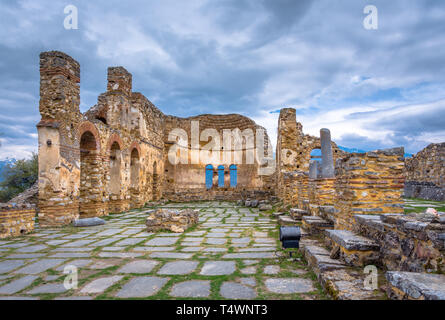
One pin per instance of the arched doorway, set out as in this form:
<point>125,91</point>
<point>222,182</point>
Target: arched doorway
<point>233,175</point>
<point>209,176</point>
<point>134,178</point>
<point>221,176</point>
<point>115,171</point>
<point>89,179</point>
<point>155,182</point>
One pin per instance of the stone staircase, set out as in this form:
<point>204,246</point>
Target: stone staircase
<point>316,225</point>
<point>339,260</point>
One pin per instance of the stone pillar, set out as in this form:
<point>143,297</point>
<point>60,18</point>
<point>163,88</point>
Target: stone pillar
<point>313,169</point>
<point>58,156</point>
<point>327,164</point>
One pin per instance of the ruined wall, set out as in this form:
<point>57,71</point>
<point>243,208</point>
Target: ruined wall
<point>293,154</point>
<point>99,162</point>
<point>406,244</point>
<point>115,156</point>
<point>185,177</point>
<point>368,183</point>
<point>425,173</point>
<point>16,220</point>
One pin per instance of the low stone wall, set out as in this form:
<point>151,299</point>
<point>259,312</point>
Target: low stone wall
<point>221,194</point>
<point>424,190</point>
<point>16,220</point>
<point>406,243</point>
<point>425,173</point>
<point>173,220</point>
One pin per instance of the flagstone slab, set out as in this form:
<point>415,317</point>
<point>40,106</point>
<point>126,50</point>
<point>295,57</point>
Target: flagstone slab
<point>84,249</point>
<point>48,288</point>
<point>217,241</point>
<point>100,285</point>
<point>191,289</point>
<point>139,266</point>
<point>70,255</point>
<point>241,240</point>
<point>34,248</point>
<point>233,290</point>
<point>40,266</point>
<point>78,243</point>
<point>153,249</point>
<point>178,267</point>
<point>289,285</point>
<point>272,269</point>
<point>248,270</point>
<point>141,287</point>
<point>9,265</point>
<point>76,263</point>
<point>128,242</point>
<point>192,249</point>
<point>214,268</point>
<point>171,255</point>
<point>250,255</point>
<point>159,241</point>
<point>251,282</point>
<point>119,254</point>
<point>17,285</point>
<point>25,255</point>
<point>103,242</point>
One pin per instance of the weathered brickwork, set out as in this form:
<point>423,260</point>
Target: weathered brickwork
<point>293,154</point>
<point>185,180</point>
<point>108,159</point>
<point>115,156</point>
<point>406,244</point>
<point>425,173</point>
<point>16,220</point>
<point>368,183</point>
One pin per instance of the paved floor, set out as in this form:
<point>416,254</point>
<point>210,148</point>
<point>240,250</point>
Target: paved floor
<point>231,254</point>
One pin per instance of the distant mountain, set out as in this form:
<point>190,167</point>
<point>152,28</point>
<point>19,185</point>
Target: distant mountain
<point>3,164</point>
<point>351,150</point>
<point>355,150</point>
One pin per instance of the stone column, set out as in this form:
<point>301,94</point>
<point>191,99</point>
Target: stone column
<point>327,164</point>
<point>313,169</point>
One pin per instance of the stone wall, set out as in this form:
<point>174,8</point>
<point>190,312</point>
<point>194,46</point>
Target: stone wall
<point>16,220</point>
<point>115,156</point>
<point>406,244</point>
<point>108,159</point>
<point>186,178</point>
<point>368,183</point>
<point>425,173</point>
<point>293,154</point>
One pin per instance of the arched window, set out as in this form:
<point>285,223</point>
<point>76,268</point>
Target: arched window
<point>233,176</point>
<point>221,176</point>
<point>209,176</point>
<point>316,155</point>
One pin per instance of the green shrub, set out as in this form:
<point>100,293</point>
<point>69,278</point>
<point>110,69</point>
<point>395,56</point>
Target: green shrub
<point>18,177</point>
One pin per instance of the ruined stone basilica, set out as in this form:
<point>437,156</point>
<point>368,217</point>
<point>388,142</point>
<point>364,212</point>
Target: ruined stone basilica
<point>124,153</point>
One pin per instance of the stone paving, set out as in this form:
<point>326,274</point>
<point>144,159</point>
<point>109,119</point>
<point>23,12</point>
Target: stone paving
<point>232,253</point>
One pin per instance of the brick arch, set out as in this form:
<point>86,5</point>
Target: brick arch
<point>136,145</point>
<point>87,126</point>
<point>114,138</point>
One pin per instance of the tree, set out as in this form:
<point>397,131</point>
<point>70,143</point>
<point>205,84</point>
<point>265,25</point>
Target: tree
<point>18,177</point>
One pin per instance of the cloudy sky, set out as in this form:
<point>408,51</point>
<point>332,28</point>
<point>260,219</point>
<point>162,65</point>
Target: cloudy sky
<point>373,88</point>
